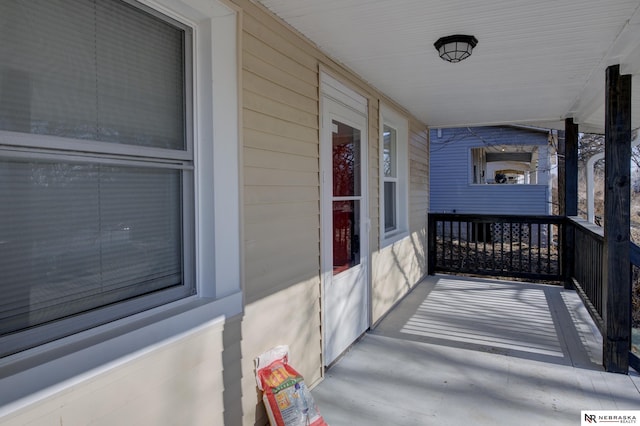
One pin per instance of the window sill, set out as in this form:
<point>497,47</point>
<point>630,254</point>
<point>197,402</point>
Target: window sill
<point>34,374</point>
<point>393,237</point>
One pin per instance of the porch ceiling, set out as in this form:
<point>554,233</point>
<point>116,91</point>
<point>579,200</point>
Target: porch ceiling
<point>537,62</point>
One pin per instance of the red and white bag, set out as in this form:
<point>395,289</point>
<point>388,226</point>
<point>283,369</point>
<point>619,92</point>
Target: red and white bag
<point>286,397</point>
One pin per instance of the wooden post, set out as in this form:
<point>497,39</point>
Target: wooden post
<point>571,167</point>
<point>616,268</point>
<point>562,175</point>
<point>570,193</point>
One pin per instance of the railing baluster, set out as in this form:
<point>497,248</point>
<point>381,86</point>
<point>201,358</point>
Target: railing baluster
<point>493,246</point>
<point>548,226</point>
<point>466,239</point>
<point>460,259</point>
<point>450,263</point>
<point>510,245</point>
<point>538,249</point>
<point>502,246</point>
<point>474,225</point>
<point>529,248</point>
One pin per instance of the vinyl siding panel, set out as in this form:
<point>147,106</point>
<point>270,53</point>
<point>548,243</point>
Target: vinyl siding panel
<point>208,377</point>
<point>451,174</point>
<point>181,382</point>
<point>278,160</point>
<point>281,203</point>
<point>278,143</point>
<point>282,200</point>
<point>260,85</point>
<point>418,177</point>
<point>279,109</point>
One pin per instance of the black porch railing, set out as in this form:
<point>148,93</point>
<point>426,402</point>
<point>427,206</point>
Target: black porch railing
<point>587,276</point>
<point>530,247</point>
<point>496,245</point>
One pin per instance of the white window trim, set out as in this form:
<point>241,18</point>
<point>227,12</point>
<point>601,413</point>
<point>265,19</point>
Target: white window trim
<point>40,372</point>
<point>391,118</point>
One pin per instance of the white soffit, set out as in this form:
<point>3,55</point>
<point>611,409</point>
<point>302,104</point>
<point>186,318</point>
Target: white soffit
<point>536,61</point>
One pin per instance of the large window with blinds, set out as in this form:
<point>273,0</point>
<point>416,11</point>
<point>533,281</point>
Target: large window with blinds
<point>96,165</point>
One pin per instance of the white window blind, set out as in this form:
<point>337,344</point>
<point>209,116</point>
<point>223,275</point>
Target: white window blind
<point>99,70</point>
<point>86,230</point>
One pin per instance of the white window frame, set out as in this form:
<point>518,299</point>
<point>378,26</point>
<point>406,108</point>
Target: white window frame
<point>68,150</point>
<point>391,118</point>
<point>471,160</point>
<point>37,373</point>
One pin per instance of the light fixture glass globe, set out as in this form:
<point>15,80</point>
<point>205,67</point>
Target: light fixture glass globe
<point>455,48</point>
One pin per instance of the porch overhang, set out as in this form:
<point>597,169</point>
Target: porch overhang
<point>536,63</point>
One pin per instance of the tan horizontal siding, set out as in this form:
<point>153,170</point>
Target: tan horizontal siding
<point>275,194</point>
<point>278,143</point>
<point>263,123</point>
<point>272,73</point>
<point>257,84</point>
<point>277,109</point>
<point>272,177</point>
<point>281,201</point>
<point>135,391</point>
<point>254,157</point>
<point>260,25</point>
<point>266,264</point>
<point>282,61</point>
<point>418,179</point>
<point>281,235</point>
<point>265,214</point>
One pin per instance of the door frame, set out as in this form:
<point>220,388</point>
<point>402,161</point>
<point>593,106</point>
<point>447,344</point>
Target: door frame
<point>333,90</point>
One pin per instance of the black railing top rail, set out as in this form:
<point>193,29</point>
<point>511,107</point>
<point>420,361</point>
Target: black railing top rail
<point>596,231</point>
<point>497,218</point>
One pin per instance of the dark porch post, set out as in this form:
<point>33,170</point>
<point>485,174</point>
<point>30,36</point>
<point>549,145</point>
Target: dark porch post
<point>569,203</point>
<point>616,268</point>
<point>571,167</point>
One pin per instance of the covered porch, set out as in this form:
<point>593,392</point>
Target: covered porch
<point>459,349</point>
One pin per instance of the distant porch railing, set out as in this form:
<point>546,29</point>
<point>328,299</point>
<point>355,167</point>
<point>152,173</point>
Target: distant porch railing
<point>496,245</point>
<point>550,248</point>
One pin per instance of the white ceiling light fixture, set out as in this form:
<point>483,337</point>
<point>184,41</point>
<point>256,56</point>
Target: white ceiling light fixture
<point>455,48</point>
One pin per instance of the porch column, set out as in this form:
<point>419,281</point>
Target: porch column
<point>616,268</point>
<point>568,193</point>
<point>562,175</point>
<point>571,167</point>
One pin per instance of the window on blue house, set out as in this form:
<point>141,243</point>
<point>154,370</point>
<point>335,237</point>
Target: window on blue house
<point>504,164</point>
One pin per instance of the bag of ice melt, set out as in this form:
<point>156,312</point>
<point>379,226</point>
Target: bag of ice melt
<point>286,397</point>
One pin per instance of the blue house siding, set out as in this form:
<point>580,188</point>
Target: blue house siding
<point>451,186</point>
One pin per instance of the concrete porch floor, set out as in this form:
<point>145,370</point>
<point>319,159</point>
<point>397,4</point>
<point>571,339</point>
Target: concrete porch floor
<point>460,350</point>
